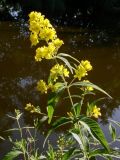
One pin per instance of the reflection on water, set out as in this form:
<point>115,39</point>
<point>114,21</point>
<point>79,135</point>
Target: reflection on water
<point>19,72</point>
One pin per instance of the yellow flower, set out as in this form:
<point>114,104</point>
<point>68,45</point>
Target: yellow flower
<point>58,70</point>
<point>35,16</point>
<point>96,112</point>
<point>47,34</point>
<point>50,34</point>
<point>34,27</point>
<point>36,21</point>
<point>82,69</point>
<point>32,109</point>
<point>89,88</point>
<point>57,42</point>
<point>86,64</point>
<point>41,29</point>
<point>46,52</point>
<point>80,72</point>
<point>34,39</point>
<point>41,26</point>
<point>65,72</point>
<point>51,47</point>
<point>41,52</point>
<point>46,23</point>
<point>51,51</point>
<point>55,71</point>
<point>42,86</point>
<point>29,107</point>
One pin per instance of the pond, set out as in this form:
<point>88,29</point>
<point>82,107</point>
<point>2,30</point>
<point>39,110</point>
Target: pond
<point>19,72</point>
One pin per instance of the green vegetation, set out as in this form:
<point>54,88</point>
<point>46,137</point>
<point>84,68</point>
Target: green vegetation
<point>84,140</point>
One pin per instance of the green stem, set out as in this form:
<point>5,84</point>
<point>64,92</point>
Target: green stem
<point>68,91</point>
<point>33,138</point>
<point>72,81</point>
<point>20,129</point>
<point>82,99</point>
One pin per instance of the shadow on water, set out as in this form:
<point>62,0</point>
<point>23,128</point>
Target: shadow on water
<point>19,72</point>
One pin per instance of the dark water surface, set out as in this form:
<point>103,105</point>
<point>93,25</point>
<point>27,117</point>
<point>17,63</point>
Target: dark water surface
<point>19,72</point>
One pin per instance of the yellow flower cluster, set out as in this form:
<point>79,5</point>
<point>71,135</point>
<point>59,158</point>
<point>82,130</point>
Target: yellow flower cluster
<point>86,64</point>
<point>42,86</point>
<point>41,29</point>
<point>82,69</point>
<point>29,107</point>
<point>58,70</point>
<point>96,112</point>
<point>34,39</point>
<point>48,52</point>
<point>32,109</point>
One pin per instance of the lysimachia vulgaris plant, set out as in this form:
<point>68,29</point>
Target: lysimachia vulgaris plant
<point>84,139</point>
<point>67,72</point>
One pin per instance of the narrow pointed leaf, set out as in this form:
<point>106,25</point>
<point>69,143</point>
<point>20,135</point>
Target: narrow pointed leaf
<point>97,152</point>
<point>96,131</point>
<point>66,62</point>
<point>115,122</point>
<point>2,138</point>
<point>103,153</point>
<point>68,154</point>
<point>53,99</point>
<point>67,55</point>
<point>90,84</point>
<point>77,107</point>
<point>77,138</point>
<point>11,155</point>
<point>50,111</point>
<point>60,122</point>
<point>112,131</point>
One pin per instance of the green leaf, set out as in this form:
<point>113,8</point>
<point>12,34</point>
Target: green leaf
<point>88,129</point>
<point>2,138</point>
<point>73,96</point>
<point>50,111</point>
<point>97,152</point>
<point>12,154</point>
<point>77,107</point>
<point>103,153</point>
<point>115,122</point>
<point>77,153</point>
<point>60,122</point>
<point>61,87</point>
<point>53,99</point>
<point>96,131</point>
<point>68,154</point>
<point>77,138</point>
<point>112,131</point>
<point>67,55</point>
<point>85,84</point>
<point>50,152</point>
<point>66,62</point>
